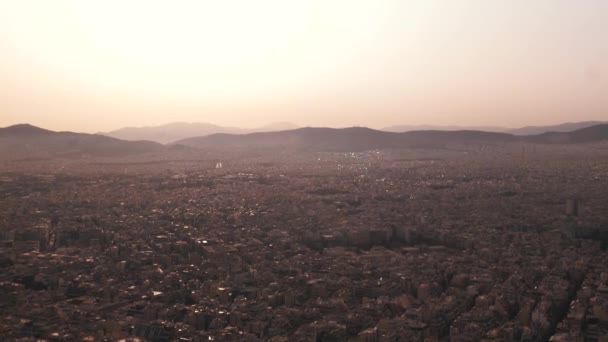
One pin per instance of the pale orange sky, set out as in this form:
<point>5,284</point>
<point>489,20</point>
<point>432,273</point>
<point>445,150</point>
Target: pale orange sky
<point>86,65</point>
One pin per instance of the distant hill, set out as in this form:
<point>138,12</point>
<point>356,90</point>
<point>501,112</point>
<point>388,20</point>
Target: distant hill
<point>274,127</point>
<point>181,130</point>
<point>411,128</point>
<point>528,130</point>
<point>178,131</point>
<point>27,141</point>
<point>583,135</point>
<point>341,139</point>
<point>564,127</point>
<point>356,138</point>
<point>361,138</point>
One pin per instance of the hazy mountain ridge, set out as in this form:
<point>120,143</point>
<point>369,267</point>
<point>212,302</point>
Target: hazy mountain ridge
<point>24,140</point>
<point>360,138</point>
<point>354,138</point>
<point>175,131</point>
<point>24,129</point>
<point>527,130</point>
<point>343,139</point>
<point>583,135</point>
<point>411,128</point>
<point>563,127</point>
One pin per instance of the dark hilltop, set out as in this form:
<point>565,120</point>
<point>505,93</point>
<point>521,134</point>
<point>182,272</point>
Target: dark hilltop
<point>24,140</point>
<point>27,141</point>
<point>361,138</point>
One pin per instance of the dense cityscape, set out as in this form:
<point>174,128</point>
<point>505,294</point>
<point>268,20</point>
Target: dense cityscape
<point>477,243</point>
<point>303,171</point>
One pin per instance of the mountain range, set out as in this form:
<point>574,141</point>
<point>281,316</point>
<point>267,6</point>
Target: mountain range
<point>528,130</point>
<point>24,140</point>
<point>176,131</point>
<point>27,141</point>
<point>181,130</point>
<point>362,138</point>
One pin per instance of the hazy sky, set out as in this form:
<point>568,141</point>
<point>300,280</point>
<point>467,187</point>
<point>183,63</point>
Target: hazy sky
<point>91,66</point>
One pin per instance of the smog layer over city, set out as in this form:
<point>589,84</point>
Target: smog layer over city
<point>373,171</point>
